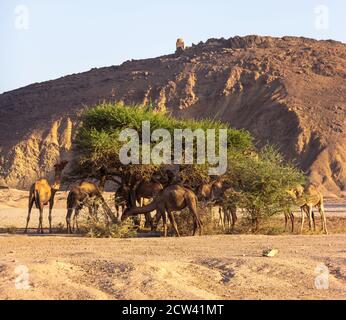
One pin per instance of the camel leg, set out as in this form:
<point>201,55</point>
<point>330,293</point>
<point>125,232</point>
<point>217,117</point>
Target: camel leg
<point>68,220</point>
<point>200,225</point>
<point>234,216</point>
<point>173,222</point>
<point>91,214</point>
<point>156,221</point>
<point>75,221</point>
<point>148,221</point>
<point>221,219</point>
<point>292,221</point>
<point>195,227</point>
<point>310,218</point>
<point>197,221</point>
<point>93,211</point>
<point>164,219</point>
<point>227,217</point>
<point>117,211</point>
<point>51,204</point>
<point>323,218</point>
<point>40,223</point>
<point>286,221</point>
<point>303,220</point>
<point>77,226</point>
<point>31,203</point>
<point>255,224</point>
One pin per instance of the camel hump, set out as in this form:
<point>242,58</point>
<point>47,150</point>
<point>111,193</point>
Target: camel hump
<point>88,187</point>
<point>42,183</point>
<point>311,190</point>
<point>312,187</point>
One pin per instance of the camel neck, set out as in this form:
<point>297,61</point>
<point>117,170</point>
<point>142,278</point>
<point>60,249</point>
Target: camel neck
<point>57,181</point>
<point>102,183</point>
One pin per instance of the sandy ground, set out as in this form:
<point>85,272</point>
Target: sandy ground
<point>218,267</point>
<point>208,267</point>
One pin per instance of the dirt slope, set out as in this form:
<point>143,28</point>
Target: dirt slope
<point>289,92</point>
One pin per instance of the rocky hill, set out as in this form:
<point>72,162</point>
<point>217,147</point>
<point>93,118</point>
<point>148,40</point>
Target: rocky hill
<point>288,91</point>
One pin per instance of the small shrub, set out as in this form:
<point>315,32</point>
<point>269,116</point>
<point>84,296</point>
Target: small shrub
<point>101,229</point>
<point>185,222</point>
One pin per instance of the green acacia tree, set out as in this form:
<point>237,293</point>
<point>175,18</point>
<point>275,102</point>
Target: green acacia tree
<point>261,184</point>
<point>98,141</point>
<point>260,180</point>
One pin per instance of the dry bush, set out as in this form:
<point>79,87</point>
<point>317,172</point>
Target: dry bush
<point>102,229</point>
<point>185,222</point>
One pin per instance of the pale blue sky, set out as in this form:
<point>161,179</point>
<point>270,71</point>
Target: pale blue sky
<point>70,36</point>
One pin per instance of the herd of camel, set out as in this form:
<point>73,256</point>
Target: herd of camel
<point>165,195</point>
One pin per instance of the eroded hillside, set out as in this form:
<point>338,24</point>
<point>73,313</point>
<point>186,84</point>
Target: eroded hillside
<point>290,92</point>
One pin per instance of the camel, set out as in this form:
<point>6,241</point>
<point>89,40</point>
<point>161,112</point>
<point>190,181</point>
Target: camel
<point>90,195</point>
<point>307,198</point>
<point>173,198</point>
<point>147,191</point>
<point>215,192</point>
<point>42,193</point>
<point>120,199</point>
<point>143,192</point>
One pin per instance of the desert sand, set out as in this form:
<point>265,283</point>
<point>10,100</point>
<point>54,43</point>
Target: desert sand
<point>208,267</point>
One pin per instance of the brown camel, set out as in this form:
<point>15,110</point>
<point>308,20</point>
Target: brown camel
<point>145,192</point>
<point>214,192</point>
<point>90,195</point>
<point>42,193</point>
<point>173,198</point>
<point>307,198</point>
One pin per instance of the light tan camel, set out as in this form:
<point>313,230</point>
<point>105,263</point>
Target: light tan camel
<point>89,195</point>
<point>307,198</point>
<point>42,193</point>
<point>173,198</point>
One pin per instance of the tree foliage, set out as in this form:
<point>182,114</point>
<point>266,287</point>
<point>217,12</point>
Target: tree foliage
<point>261,184</point>
<point>259,181</point>
<point>98,138</point>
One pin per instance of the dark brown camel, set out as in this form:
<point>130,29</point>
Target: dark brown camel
<point>42,193</point>
<point>144,192</point>
<point>173,198</point>
<point>89,195</point>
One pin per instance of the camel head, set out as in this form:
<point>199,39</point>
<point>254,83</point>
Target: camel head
<point>58,169</point>
<point>296,192</point>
